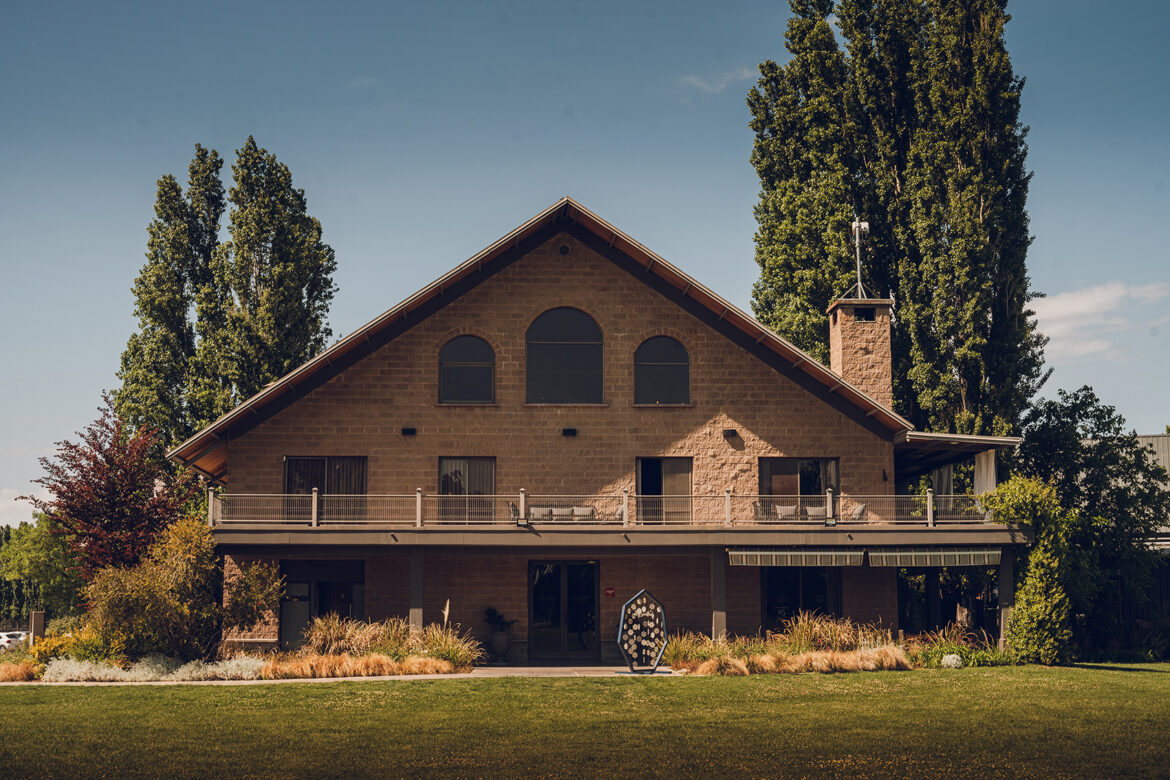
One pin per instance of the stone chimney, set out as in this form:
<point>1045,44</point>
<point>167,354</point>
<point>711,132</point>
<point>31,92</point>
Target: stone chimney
<point>859,346</point>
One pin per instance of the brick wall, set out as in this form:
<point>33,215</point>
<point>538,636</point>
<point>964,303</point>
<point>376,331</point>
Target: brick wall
<point>362,411</point>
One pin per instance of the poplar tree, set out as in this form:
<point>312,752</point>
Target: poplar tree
<point>804,137</point>
<point>219,320</point>
<point>936,163</point>
<point>156,365</point>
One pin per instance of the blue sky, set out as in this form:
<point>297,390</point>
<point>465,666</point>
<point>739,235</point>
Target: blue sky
<point>422,132</point>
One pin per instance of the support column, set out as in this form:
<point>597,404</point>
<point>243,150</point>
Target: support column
<point>1006,586</point>
<point>416,586</point>
<point>718,592</point>
<point>933,608</point>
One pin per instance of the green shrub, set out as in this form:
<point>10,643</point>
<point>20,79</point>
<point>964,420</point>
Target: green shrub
<point>1039,630</point>
<point>64,625</point>
<point>974,650</point>
<point>170,602</point>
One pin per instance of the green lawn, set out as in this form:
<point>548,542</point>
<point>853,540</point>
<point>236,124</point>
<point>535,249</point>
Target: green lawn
<point>1093,720</point>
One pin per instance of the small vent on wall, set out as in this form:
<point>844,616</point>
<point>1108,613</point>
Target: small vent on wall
<point>568,431</point>
<point>409,431</point>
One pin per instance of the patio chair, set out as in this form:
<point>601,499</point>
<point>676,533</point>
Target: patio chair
<point>858,513</point>
<point>582,514</point>
<point>786,513</point>
<point>816,512</point>
<point>540,513</point>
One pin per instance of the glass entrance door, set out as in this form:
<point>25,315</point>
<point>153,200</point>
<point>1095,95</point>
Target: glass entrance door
<point>562,621</point>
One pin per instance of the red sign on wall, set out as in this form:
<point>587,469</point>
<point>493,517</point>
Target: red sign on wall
<point>610,593</point>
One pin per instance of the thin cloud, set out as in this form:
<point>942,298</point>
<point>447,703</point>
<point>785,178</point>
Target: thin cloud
<point>1080,323</point>
<point>713,86</point>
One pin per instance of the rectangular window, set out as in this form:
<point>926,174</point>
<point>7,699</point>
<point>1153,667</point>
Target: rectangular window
<point>797,476</point>
<point>335,478</point>
<point>460,481</point>
<point>664,490</point>
<point>797,487</point>
<point>863,314</point>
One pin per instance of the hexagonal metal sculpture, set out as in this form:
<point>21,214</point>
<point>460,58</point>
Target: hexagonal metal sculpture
<point>642,633</point>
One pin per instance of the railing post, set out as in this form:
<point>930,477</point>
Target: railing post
<point>830,516</point>
<point>210,506</point>
<point>523,507</point>
<point>418,507</point>
<point>314,507</point>
<point>930,507</point>
<point>625,506</point>
<point>727,506</point>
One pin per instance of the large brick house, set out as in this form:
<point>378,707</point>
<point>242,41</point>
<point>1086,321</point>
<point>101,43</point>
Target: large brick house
<point>566,418</point>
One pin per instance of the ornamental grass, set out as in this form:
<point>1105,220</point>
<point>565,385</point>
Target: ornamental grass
<point>395,639</point>
<point>310,666</point>
<point>19,672</point>
<point>809,642</point>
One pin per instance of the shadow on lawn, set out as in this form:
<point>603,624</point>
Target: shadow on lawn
<point>1108,668</point>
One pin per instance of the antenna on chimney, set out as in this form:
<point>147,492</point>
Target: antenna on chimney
<point>859,229</point>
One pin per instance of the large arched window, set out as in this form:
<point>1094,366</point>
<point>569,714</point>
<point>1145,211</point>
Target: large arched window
<point>564,358</point>
<point>662,372</point>
<point>467,371</point>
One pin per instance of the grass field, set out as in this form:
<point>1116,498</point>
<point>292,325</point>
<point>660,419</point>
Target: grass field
<point>1109,720</point>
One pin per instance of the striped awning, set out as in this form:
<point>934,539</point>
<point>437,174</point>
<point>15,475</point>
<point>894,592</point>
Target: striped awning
<point>795,556</point>
<point>934,556</point>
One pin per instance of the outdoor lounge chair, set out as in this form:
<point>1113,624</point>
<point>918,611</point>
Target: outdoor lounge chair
<point>785,513</point>
<point>858,513</point>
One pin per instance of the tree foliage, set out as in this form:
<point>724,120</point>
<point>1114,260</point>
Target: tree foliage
<point>1039,629</point>
<point>219,320</point>
<point>172,602</point>
<point>914,126</point>
<point>1120,494</point>
<point>44,565</point>
<point>109,495</point>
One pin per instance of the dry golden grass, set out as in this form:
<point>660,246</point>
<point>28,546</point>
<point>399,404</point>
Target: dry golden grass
<point>418,665</point>
<point>888,658</point>
<point>21,672</point>
<point>723,665</point>
<point>345,665</point>
<point>763,663</point>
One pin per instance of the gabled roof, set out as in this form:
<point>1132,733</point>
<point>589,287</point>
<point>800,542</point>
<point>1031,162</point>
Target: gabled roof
<point>205,451</point>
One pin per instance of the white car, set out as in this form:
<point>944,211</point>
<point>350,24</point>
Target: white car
<point>10,639</point>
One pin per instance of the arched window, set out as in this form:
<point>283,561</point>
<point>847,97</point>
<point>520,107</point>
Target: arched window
<point>467,371</point>
<point>662,372</point>
<point>564,358</point>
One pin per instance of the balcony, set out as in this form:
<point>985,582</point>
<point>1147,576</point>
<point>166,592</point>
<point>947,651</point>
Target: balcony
<point>613,512</point>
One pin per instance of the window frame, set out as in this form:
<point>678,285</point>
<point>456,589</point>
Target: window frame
<point>638,366</point>
<point>464,364</point>
<point>530,396</point>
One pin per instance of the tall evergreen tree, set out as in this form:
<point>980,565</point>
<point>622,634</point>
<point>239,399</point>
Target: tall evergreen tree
<point>935,157</point>
<point>219,320</point>
<point>803,152</point>
<point>273,280</point>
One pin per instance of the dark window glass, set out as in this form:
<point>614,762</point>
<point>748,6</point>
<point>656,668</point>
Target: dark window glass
<point>467,371</point>
<point>331,476</point>
<point>460,481</point>
<point>797,476</point>
<point>662,372</point>
<point>564,358</point>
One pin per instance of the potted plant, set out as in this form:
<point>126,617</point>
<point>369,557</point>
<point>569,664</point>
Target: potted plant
<point>501,627</point>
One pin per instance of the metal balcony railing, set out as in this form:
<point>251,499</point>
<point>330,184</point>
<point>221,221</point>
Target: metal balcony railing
<point>727,509</point>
